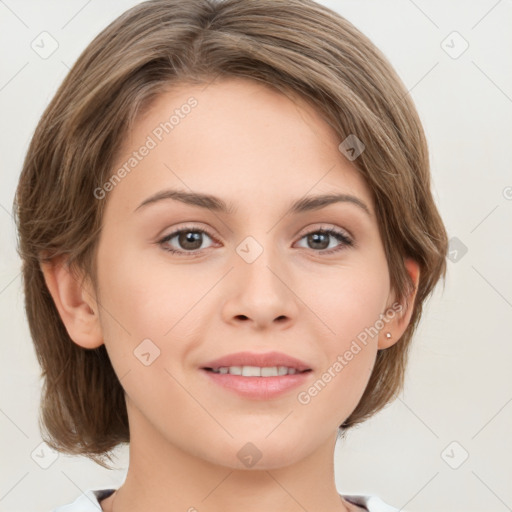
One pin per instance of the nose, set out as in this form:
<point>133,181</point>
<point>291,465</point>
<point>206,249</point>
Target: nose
<point>260,294</point>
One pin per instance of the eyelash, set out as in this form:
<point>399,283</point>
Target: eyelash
<point>338,235</point>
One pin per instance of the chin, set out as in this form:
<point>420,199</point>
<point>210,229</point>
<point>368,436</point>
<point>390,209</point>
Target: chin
<point>259,452</point>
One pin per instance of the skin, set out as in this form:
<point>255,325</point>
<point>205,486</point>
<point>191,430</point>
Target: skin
<point>259,151</point>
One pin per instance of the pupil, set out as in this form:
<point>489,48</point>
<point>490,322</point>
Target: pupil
<point>316,238</point>
<point>190,237</point>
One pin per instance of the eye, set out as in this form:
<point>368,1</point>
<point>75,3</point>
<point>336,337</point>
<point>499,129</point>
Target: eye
<point>189,241</point>
<point>321,239</point>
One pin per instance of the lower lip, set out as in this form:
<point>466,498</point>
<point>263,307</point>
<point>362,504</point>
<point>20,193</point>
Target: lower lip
<point>261,388</point>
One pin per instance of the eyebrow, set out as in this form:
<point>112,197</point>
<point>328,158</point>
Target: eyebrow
<point>216,204</point>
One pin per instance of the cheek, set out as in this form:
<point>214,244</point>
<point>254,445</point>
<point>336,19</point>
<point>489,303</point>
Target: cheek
<point>349,302</point>
<point>349,299</point>
<point>153,301</point>
<point>349,354</point>
<point>148,296</point>
<point>144,312</point>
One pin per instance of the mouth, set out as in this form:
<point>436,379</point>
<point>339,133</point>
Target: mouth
<point>257,376</point>
<point>256,371</point>
<point>254,364</point>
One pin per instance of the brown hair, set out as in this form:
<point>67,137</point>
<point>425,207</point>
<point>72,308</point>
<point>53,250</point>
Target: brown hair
<point>295,46</point>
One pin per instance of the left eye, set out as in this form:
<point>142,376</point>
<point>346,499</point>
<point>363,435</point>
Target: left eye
<point>321,236</point>
<point>190,240</point>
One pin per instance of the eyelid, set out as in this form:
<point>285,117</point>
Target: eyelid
<point>322,226</point>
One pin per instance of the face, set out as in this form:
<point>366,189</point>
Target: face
<point>183,282</point>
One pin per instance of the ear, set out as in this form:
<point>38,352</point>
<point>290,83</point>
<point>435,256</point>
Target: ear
<point>76,303</point>
<point>402,315</point>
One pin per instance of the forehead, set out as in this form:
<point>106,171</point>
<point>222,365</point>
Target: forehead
<point>234,135</point>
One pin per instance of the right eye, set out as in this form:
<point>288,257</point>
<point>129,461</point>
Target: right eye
<point>189,238</point>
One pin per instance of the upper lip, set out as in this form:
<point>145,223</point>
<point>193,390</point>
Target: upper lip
<point>266,359</point>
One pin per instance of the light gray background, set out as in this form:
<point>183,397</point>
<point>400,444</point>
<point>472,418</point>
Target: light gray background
<point>458,385</point>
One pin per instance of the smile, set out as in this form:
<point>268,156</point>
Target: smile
<point>258,383</point>
<point>256,371</point>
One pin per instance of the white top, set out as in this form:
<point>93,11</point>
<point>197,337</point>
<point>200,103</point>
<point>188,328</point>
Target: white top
<point>90,502</point>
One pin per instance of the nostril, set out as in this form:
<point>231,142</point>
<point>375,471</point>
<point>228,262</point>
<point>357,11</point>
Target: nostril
<point>241,317</point>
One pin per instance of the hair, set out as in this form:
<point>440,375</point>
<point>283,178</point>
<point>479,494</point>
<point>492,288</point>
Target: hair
<point>298,47</point>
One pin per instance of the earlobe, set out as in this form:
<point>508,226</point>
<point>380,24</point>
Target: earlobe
<point>76,304</point>
<point>397,325</point>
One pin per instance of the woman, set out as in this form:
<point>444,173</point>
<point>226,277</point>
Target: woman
<point>228,234</point>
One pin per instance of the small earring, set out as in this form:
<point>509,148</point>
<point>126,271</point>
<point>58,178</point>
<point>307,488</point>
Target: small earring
<point>388,335</point>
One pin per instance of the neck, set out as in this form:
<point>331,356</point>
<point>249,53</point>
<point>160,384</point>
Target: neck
<point>174,475</point>
<point>161,476</point>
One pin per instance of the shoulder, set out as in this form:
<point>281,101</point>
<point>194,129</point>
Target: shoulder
<point>370,503</point>
<point>89,501</point>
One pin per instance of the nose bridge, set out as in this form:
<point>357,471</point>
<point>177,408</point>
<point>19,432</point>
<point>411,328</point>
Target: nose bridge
<point>260,265</point>
<point>260,292</point>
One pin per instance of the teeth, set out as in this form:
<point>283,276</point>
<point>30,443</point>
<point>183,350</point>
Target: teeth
<point>251,371</point>
<point>256,371</point>
<point>235,370</point>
